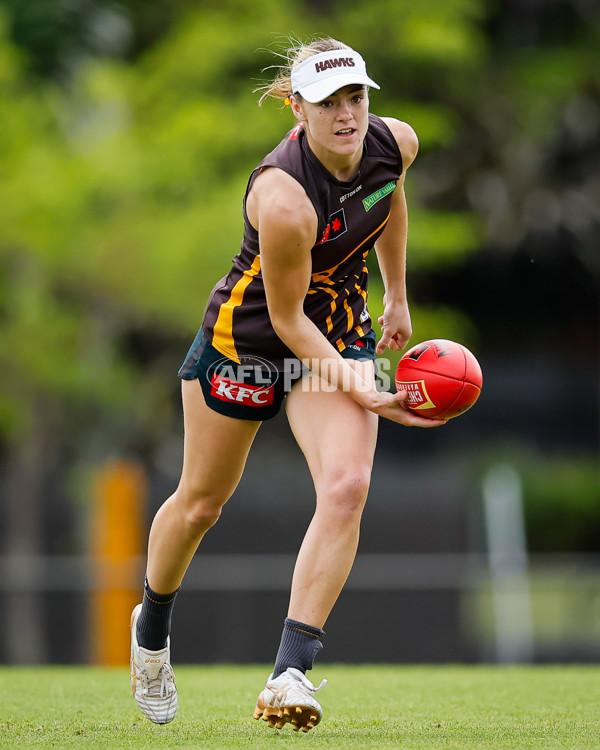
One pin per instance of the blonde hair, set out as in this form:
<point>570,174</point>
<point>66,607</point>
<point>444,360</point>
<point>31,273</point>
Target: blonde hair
<point>281,86</point>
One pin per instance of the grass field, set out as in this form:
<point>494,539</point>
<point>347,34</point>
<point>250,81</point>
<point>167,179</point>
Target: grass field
<point>364,707</point>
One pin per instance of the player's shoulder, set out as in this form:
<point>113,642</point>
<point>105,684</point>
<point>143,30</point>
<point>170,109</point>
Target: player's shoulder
<point>405,137</point>
<point>277,186</point>
<point>279,194</point>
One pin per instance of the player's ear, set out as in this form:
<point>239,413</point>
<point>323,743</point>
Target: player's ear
<point>297,109</point>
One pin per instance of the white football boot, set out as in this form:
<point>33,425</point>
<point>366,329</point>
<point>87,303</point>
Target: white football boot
<point>290,698</point>
<point>152,678</point>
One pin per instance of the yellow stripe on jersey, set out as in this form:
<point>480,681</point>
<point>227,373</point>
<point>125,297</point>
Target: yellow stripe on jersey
<point>329,321</point>
<point>362,292</point>
<point>223,330</point>
<point>350,314</point>
<point>325,276</point>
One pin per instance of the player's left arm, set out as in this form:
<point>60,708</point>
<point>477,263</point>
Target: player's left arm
<point>396,327</point>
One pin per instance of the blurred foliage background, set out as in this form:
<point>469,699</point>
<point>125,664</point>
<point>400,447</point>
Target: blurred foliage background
<point>128,133</point>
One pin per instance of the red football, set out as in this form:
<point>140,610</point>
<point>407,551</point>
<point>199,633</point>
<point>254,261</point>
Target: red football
<point>443,379</point>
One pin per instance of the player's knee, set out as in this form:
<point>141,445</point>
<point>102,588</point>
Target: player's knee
<point>201,516</point>
<point>346,495</point>
<point>201,511</point>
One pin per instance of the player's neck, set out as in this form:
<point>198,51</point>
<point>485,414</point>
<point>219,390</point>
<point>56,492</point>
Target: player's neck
<point>342,166</point>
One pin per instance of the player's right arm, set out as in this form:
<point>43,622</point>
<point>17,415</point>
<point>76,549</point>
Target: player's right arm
<point>286,221</point>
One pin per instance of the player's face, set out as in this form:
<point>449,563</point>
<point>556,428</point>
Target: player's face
<point>336,127</point>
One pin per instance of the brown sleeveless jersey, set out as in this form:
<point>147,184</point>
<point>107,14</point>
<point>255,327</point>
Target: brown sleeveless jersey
<point>351,216</point>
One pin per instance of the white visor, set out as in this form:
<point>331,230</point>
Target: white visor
<point>319,76</point>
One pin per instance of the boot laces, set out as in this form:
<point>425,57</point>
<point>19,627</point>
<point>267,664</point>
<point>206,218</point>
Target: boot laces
<point>161,686</point>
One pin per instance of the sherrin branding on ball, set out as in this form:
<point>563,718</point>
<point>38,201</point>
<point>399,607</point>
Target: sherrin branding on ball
<point>442,378</point>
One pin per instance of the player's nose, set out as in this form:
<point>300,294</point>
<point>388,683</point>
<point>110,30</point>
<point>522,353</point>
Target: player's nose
<point>344,111</point>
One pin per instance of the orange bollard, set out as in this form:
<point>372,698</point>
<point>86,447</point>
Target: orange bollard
<point>118,531</point>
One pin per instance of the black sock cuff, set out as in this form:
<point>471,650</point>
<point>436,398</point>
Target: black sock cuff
<point>159,598</point>
<point>302,627</point>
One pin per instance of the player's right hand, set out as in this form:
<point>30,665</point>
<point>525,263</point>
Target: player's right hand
<point>394,406</point>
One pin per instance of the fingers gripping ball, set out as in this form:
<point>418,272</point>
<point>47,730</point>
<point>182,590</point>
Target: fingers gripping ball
<point>442,378</point>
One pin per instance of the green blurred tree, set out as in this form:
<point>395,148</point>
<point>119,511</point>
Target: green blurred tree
<point>122,181</point>
<point>128,132</point>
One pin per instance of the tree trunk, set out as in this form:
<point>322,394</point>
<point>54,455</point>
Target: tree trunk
<point>26,470</point>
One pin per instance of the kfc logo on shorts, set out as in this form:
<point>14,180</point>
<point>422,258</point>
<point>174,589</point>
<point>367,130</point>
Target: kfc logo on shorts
<point>234,392</point>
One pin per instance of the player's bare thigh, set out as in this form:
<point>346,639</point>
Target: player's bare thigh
<point>215,446</point>
<point>332,430</point>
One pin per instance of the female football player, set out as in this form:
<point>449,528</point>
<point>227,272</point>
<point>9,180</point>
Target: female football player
<point>290,323</point>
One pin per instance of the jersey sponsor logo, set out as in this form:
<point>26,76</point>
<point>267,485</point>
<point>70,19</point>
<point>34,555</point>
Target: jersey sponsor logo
<point>350,194</point>
<point>338,62</point>
<point>239,393</point>
<point>375,197</point>
<point>336,226</point>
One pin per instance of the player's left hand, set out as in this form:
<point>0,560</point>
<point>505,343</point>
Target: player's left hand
<point>396,326</point>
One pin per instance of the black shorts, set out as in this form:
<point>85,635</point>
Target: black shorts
<point>254,389</point>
